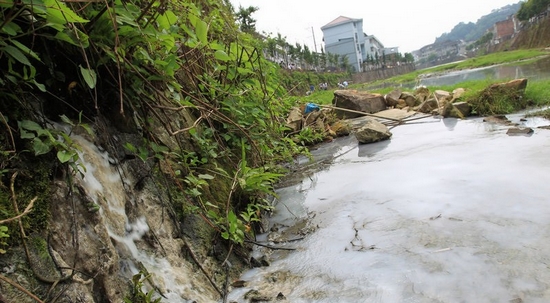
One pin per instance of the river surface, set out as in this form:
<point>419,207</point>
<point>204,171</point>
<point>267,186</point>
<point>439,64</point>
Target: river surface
<point>537,70</point>
<point>446,211</point>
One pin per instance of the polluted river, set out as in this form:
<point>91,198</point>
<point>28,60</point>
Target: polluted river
<point>446,211</point>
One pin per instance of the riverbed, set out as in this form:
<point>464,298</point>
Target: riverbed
<point>446,211</point>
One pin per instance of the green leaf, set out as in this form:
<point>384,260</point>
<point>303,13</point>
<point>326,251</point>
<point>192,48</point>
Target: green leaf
<point>40,86</point>
<point>64,155</point>
<point>89,76</point>
<point>222,56</point>
<point>16,54</point>
<point>26,135</point>
<point>206,176</point>
<point>39,147</point>
<point>11,28</point>
<point>87,128</point>
<point>58,12</point>
<point>130,147</point>
<point>66,120</point>
<point>202,31</point>
<point>29,125</point>
<point>70,37</point>
<point>167,19</point>
<point>25,49</point>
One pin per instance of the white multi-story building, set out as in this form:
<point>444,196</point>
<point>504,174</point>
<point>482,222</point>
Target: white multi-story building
<point>344,36</point>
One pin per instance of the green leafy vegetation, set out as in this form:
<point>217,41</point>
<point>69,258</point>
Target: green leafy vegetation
<point>138,295</point>
<point>182,72</point>
<point>3,236</point>
<point>531,8</point>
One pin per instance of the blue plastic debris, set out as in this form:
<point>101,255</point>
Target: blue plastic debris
<point>310,107</point>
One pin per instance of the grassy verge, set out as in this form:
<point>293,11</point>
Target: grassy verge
<point>477,62</point>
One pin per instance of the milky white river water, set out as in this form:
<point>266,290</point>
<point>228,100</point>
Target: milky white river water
<point>446,211</point>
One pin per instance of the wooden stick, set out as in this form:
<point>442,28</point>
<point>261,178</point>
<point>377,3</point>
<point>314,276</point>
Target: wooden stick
<point>27,210</point>
<point>269,246</point>
<point>359,112</point>
<point>21,288</point>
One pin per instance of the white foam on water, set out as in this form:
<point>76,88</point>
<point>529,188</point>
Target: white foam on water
<point>105,186</point>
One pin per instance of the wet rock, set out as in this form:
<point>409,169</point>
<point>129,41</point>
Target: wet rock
<point>312,117</point>
<point>393,98</point>
<point>254,263</point>
<point>461,110</point>
<point>401,104</point>
<point>500,119</point>
<point>457,93</point>
<point>443,96</point>
<point>446,109</point>
<point>262,262</point>
<point>239,284</point>
<point>372,131</point>
<point>280,297</point>
<point>520,131</point>
<point>544,127</point>
<point>409,99</point>
<point>294,120</point>
<point>513,89</point>
<point>340,128</point>
<point>357,101</point>
<point>515,85</point>
<point>422,93</point>
<point>427,106</point>
<point>255,296</point>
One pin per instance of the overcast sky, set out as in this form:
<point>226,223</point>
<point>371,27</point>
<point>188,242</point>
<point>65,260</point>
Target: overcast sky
<point>406,24</point>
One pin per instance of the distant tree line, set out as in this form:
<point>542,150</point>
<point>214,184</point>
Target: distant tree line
<point>474,31</point>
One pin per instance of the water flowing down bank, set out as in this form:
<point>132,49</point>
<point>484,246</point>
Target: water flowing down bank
<point>447,211</point>
<point>160,265</point>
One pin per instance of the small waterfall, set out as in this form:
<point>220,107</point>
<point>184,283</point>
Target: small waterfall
<point>107,185</point>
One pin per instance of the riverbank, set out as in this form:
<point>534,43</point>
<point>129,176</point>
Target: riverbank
<point>409,218</point>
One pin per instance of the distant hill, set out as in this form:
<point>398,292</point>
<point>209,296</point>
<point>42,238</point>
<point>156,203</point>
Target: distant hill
<point>470,31</point>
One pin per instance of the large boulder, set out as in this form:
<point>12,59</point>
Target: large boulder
<point>428,106</point>
<point>443,96</point>
<point>422,93</point>
<point>457,93</point>
<point>372,131</point>
<point>357,101</point>
<point>340,128</point>
<point>393,98</point>
<point>513,89</point>
<point>461,110</point>
<point>409,99</point>
<point>294,119</point>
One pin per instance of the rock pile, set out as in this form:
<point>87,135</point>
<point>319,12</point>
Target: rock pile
<point>350,104</point>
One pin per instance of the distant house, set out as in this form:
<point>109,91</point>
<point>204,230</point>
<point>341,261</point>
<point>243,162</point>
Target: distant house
<point>438,53</point>
<point>373,47</point>
<point>344,36</point>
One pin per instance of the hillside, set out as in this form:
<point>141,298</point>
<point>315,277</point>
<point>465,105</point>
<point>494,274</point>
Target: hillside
<point>472,31</point>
